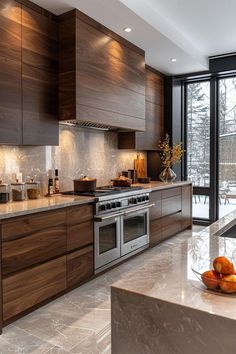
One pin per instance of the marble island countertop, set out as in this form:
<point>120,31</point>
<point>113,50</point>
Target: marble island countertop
<point>14,209</point>
<point>168,275</point>
<point>163,308</point>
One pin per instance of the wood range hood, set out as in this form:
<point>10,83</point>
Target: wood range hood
<point>101,76</point>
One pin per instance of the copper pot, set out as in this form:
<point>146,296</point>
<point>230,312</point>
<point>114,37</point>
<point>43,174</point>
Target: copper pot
<point>85,184</point>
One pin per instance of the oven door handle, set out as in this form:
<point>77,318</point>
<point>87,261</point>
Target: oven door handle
<point>133,210</point>
<point>107,217</point>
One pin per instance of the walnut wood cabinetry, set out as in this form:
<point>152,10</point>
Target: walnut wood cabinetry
<point>171,214</point>
<point>101,75</point>
<point>43,255</point>
<point>149,139</point>
<point>28,71</point>
<point>10,73</point>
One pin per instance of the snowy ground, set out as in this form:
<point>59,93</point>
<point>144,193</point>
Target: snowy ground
<point>201,207</point>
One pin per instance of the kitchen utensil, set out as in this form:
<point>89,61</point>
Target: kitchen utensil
<point>132,174</point>
<point>122,182</point>
<point>144,180</point>
<point>139,166</point>
<point>85,184</point>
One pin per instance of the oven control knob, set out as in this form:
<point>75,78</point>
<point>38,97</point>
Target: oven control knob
<point>102,207</point>
<point>133,201</point>
<point>139,200</point>
<point>118,204</point>
<point>147,197</point>
<point>108,206</point>
<point>113,205</point>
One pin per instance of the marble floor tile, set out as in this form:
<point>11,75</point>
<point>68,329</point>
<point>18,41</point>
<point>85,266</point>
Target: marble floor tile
<point>79,322</point>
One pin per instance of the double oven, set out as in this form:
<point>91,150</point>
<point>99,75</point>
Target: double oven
<point>121,229</point>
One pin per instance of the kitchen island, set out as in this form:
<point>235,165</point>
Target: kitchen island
<point>162,308</point>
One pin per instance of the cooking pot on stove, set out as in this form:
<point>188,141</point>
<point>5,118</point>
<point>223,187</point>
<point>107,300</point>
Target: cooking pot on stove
<point>85,184</point>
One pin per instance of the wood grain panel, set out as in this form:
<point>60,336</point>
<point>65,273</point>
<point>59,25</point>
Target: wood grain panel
<point>167,193</point>
<point>79,214</point>
<point>80,235</point>
<point>39,40</point>
<point>186,206</point>
<point>155,232</point>
<point>154,87</point>
<point>10,30</point>
<point>115,63</point>
<point>79,266</point>
<point>171,205</point>
<point>171,225</point>
<point>40,107</point>
<point>15,228</point>
<point>110,81</point>
<point>154,113</point>
<point>28,288</point>
<point>10,102</point>
<point>29,250</point>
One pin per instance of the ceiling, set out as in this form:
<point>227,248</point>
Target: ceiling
<point>187,30</point>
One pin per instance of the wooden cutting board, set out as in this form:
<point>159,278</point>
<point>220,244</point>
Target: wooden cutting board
<point>139,166</point>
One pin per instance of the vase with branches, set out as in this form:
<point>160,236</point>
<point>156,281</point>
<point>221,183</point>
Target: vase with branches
<point>169,156</point>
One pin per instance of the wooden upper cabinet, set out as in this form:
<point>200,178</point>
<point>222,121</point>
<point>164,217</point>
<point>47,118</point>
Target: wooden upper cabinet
<point>149,139</point>
<point>10,30</point>
<point>10,73</point>
<point>102,76</point>
<point>39,40</point>
<point>39,79</point>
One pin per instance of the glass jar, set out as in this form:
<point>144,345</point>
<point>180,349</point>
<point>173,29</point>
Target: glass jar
<point>33,190</point>
<point>18,191</point>
<point>4,192</point>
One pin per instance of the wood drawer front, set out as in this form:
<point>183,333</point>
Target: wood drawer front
<point>171,205</point>
<point>29,250</point>
<point>27,225</point>
<point>155,232</point>
<point>80,214</point>
<point>171,192</point>
<point>156,210</point>
<point>80,267</point>
<point>156,195</point>
<point>30,287</point>
<point>80,235</point>
<point>171,225</point>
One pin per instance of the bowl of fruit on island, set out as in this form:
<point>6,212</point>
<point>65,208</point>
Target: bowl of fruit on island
<point>222,276</point>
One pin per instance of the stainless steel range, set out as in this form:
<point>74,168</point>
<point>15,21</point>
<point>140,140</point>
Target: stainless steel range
<point>121,224</point>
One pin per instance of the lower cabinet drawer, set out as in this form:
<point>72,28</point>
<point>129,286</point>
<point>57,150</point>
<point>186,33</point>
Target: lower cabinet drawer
<point>80,266</point>
<point>171,225</point>
<point>28,288</point>
<point>40,246</point>
<point>80,235</point>
<point>171,205</point>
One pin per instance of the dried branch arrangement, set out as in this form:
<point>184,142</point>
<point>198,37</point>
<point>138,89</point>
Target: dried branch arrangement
<point>170,156</point>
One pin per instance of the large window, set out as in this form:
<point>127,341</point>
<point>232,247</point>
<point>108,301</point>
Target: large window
<point>198,144</point>
<point>198,133</point>
<point>227,144</point>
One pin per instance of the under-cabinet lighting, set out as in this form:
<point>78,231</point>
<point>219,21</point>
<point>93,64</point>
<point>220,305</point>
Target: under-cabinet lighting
<point>173,60</point>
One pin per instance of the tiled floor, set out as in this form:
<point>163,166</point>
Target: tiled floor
<point>78,322</point>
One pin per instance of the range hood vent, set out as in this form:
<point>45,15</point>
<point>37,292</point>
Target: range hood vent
<point>90,125</point>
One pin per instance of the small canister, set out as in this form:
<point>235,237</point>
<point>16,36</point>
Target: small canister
<point>33,189</point>
<point>4,192</point>
<point>18,191</point>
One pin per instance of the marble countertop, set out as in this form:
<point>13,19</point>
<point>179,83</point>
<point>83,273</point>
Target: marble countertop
<point>14,209</point>
<point>158,185</point>
<point>167,275</point>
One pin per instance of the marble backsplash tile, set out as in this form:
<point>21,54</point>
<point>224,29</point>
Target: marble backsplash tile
<point>80,151</point>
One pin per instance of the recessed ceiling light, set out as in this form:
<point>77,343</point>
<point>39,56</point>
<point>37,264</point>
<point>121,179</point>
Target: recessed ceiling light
<point>173,60</point>
<point>127,29</point>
